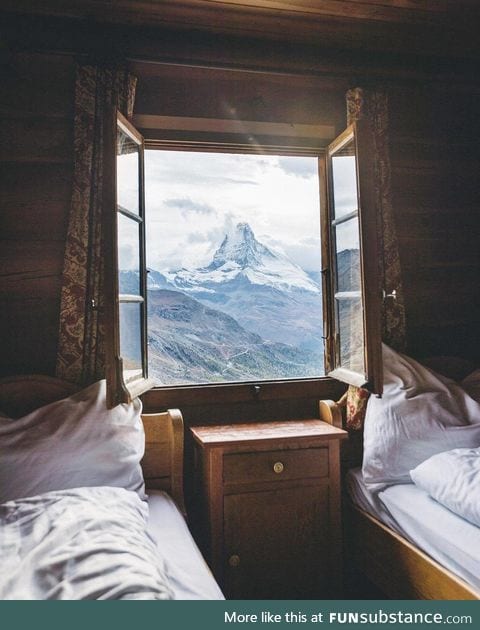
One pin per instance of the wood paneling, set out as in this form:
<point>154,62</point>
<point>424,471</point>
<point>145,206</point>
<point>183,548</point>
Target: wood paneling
<point>422,28</point>
<point>33,139</point>
<point>42,86</point>
<point>436,197</point>
<point>36,139</point>
<point>236,105</point>
<point>27,204</point>
<point>435,160</point>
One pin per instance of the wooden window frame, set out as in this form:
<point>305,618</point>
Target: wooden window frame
<point>372,378</point>
<point>239,392</point>
<point>332,383</point>
<point>119,389</point>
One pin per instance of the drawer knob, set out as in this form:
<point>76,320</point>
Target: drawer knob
<point>278,467</point>
<point>234,560</point>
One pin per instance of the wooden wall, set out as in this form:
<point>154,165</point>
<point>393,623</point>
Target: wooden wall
<point>436,195</point>
<point>239,95</point>
<point>435,186</point>
<point>36,105</point>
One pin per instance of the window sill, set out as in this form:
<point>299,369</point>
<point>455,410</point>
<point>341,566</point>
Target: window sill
<point>264,391</point>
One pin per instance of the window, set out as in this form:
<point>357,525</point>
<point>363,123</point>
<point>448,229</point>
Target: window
<point>234,289</point>
<point>351,281</point>
<point>234,258</point>
<point>125,249</point>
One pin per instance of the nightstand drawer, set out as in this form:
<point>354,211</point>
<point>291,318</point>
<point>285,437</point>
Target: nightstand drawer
<point>275,465</point>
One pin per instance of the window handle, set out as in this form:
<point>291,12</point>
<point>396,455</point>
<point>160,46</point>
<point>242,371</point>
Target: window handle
<point>392,295</point>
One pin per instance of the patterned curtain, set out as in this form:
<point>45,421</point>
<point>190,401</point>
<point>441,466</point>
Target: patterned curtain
<point>373,106</point>
<point>81,351</point>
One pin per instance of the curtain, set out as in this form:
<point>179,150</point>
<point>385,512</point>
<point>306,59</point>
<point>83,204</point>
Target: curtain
<point>373,106</point>
<point>81,351</point>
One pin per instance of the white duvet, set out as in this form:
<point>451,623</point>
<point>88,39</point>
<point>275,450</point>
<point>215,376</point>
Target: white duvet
<point>84,543</point>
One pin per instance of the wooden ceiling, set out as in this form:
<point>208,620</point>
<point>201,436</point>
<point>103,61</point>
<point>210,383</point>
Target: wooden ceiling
<point>442,28</point>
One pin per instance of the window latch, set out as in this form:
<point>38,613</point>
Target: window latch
<point>94,306</point>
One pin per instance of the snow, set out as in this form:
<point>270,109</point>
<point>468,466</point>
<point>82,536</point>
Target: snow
<point>241,256</point>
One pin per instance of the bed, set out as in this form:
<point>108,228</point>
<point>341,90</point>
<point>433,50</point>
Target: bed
<point>404,532</point>
<point>141,547</point>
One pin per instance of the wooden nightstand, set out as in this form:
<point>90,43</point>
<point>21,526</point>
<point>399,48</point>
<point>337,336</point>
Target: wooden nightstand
<point>270,496</point>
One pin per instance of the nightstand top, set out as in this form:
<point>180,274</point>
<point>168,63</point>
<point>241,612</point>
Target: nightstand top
<point>260,431</point>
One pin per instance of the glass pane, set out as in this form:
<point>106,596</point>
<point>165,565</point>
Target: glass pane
<point>128,255</point>
<point>127,173</point>
<point>130,339</point>
<point>350,327</point>
<point>344,174</point>
<point>348,256</point>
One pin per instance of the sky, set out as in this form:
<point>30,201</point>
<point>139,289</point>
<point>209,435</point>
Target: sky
<point>193,199</point>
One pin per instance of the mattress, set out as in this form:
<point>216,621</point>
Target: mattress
<point>189,575</point>
<point>449,539</point>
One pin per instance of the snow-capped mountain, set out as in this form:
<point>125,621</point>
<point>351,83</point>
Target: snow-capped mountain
<point>264,291</point>
<point>129,281</point>
<point>242,258</point>
<point>250,314</point>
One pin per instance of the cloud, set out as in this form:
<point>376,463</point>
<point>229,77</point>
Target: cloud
<point>298,166</point>
<point>194,199</point>
<point>191,168</point>
<point>198,237</point>
<point>232,180</point>
<point>127,257</point>
<point>186,204</point>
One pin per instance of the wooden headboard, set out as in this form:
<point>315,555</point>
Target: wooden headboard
<point>163,461</point>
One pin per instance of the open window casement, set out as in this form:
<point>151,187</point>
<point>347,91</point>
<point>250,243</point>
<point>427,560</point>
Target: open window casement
<point>125,274</point>
<point>351,293</point>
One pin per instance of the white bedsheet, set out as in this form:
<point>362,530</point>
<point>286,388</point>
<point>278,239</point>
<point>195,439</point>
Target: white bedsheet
<point>187,572</point>
<point>82,543</point>
<point>411,512</point>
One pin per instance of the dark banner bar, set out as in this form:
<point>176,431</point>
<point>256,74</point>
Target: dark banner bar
<point>240,614</point>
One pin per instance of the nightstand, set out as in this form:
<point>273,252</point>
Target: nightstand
<point>270,501</point>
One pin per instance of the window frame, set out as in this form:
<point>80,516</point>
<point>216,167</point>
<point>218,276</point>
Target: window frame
<point>236,392</point>
<point>333,382</point>
<point>360,133</point>
<point>120,389</point>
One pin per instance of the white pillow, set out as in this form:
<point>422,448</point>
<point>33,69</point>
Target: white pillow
<point>72,443</point>
<point>453,479</point>
<point>420,413</point>
<point>471,384</point>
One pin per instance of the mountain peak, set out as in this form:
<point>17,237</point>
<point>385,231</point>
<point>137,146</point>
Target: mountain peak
<point>244,228</point>
<point>241,260</point>
<point>241,247</point>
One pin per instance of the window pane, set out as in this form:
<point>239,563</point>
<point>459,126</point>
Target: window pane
<point>127,173</point>
<point>130,338</point>
<point>350,327</point>
<point>344,173</point>
<point>128,255</point>
<point>233,249</point>
<point>348,256</point>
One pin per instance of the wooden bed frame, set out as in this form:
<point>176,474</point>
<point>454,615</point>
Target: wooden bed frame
<point>162,463</point>
<point>393,564</point>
